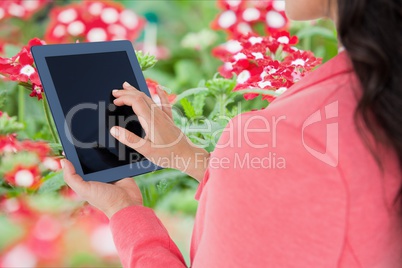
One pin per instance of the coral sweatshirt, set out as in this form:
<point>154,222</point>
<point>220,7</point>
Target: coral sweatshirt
<point>292,185</point>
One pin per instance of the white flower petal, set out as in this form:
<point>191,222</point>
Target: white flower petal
<point>283,40</point>
<point>275,20</point>
<point>76,28</point>
<point>129,19</point>
<point>257,55</point>
<point>96,34</point>
<point>233,46</point>
<point>24,178</point>
<point>299,62</point>
<point>117,30</point>
<point>16,10</point>
<point>27,70</point>
<point>19,256</point>
<point>239,56</point>
<point>264,84</point>
<point>228,66</point>
<point>51,163</point>
<point>109,15</point>
<point>281,90</point>
<point>227,19</point>
<point>255,40</point>
<point>95,8</point>
<point>30,4</point>
<point>59,31</point>
<point>279,5</point>
<point>233,3</point>
<point>67,16</point>
<point>251,14</point>
<point>243,77</point>
<point>244,28</point>
<point>11,204</point>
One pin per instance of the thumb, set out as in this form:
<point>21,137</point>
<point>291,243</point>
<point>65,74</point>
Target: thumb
<point>125,183</point>
<point>73,179</point>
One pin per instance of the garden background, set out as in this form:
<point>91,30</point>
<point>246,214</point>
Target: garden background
<point>216,59</point>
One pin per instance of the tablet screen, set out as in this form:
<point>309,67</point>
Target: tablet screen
<point>84,85</point>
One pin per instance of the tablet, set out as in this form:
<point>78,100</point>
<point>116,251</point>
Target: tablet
<point>78,80</point>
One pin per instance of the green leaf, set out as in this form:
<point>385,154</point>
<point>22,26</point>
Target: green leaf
<point>199,103</point>
<point>57,148</point>
<point>11,50</point>
<point>10,232</point>
<point>52,183</point>
<point>219,86</point>
<point>10,161</point>
<point>190,92</point>
<point>146,61</point>
<point>3,190</point>
<point>188,108</point>
<point>9,125</point>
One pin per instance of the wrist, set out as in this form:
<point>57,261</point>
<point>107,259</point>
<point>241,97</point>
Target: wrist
<point>198,163</point>
<point>120,206</point>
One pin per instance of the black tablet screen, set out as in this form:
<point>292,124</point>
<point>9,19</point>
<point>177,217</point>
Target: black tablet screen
<point>84,84</point>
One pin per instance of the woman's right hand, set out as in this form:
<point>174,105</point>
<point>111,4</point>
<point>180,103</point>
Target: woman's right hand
<point>164,143</point>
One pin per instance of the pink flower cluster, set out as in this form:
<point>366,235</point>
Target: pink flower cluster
<point>240,17</point>
<point>23,9</point>
<point>21,68</point>
<point>270,62</point>
<point>93,21</point>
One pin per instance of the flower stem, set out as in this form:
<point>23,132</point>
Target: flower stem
<point>222,105</point>
<point>21,103</point>
<point>49,120</point>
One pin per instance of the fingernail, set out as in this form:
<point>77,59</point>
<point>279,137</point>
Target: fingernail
<point>62,163</point>
<point>126,84</point>
<point>114,90</point>
<point>114,131</point>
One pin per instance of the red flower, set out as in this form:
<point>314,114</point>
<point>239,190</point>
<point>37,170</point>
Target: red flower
<point>8,143</point>
<point>93,21</point>
<point>40,148</point>
<point>20,8</point>
<point>258,62</point>
<point>28,177</point>
<point>36,91</point>
<point>153,86</point>
<point>21,68</point>
<point>302,60</point>
<point>241,17</point>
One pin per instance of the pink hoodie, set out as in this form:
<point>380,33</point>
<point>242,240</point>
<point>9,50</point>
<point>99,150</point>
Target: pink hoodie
<point>292,185</point>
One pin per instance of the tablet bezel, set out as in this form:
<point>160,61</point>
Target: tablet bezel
<point>40,53</point>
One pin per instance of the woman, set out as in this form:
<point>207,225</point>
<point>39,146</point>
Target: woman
<point>333,201</point>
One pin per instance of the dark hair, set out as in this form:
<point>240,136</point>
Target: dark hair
<point>370,31</point>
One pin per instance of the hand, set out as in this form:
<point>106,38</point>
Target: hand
<point>107,197</point>
<point>164,143</point>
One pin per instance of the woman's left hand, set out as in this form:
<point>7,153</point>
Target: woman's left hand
<point>107,197</point>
